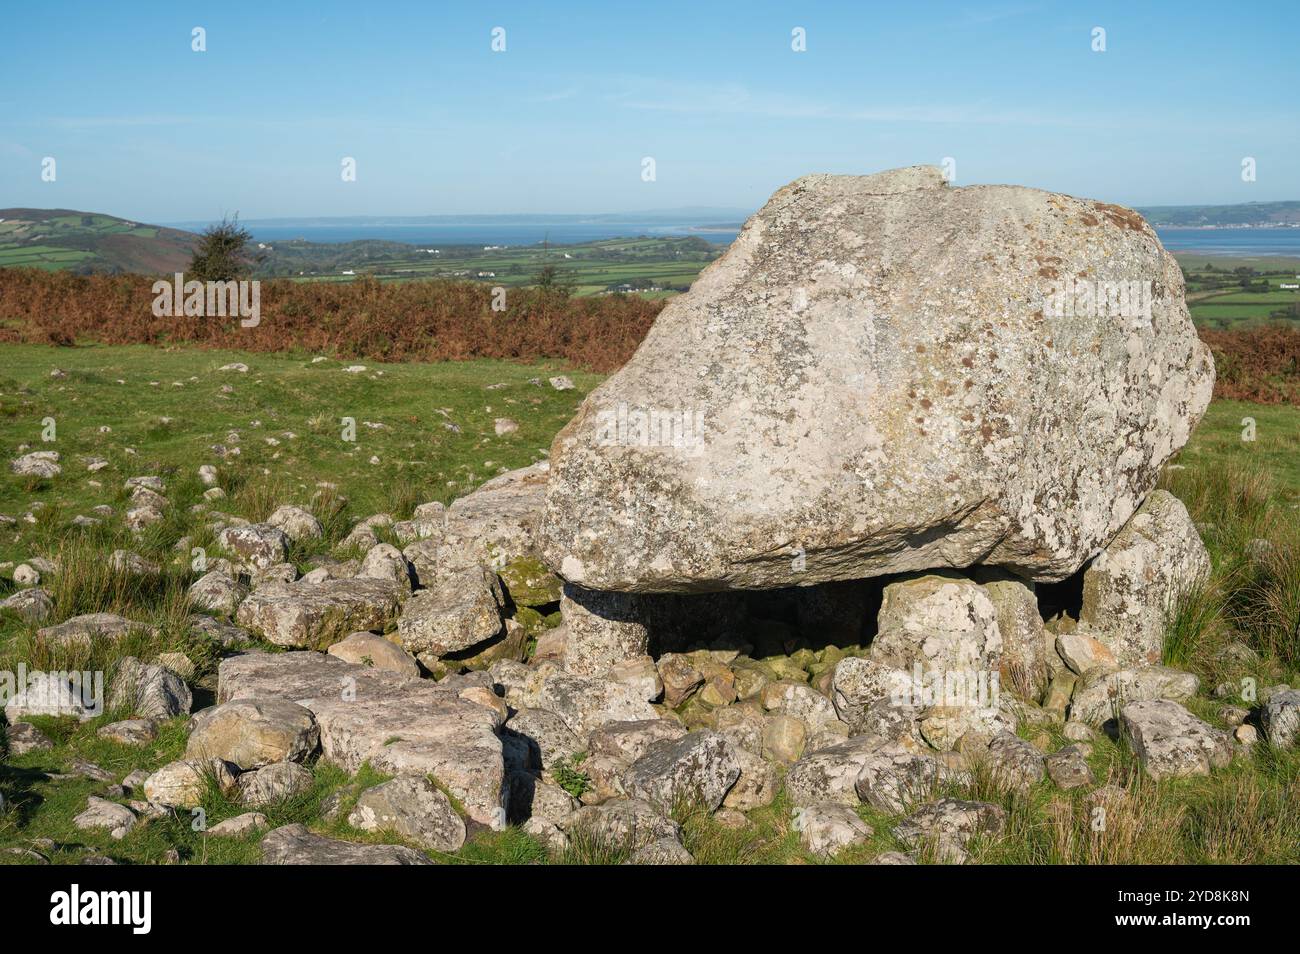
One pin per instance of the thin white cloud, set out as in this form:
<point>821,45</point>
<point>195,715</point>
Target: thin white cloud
<point>555,97</point>
<point>737,99</point>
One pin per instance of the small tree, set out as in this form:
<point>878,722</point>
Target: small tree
<point>222,253</point>
<point>553,280</point>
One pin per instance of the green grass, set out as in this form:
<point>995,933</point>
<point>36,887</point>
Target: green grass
<point>1217,444</point>
<point>1239,492</point>
<point>167,409</point>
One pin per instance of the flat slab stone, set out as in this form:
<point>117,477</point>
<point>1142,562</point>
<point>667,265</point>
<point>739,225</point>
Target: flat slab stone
<point>1099,697</point>
<point>295,845</point>
<point>80,630</point>
<point>1170,742</point>
<point>401,726</point>
<point>318,614</point>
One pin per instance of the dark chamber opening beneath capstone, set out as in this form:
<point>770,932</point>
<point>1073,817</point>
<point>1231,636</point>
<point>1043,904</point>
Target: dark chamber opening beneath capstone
<point>779,622</point>
<point>1065,597</point>
<point>763,623</point>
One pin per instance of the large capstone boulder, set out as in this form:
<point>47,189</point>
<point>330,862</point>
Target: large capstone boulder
<point>885,374</point>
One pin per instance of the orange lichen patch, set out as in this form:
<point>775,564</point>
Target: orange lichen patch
<point>1048,263</point>
<point>1087,219</point>
<point>967,362</point>
<point>927,403</point>
<point>986,432</point>
<point>1124,218</point>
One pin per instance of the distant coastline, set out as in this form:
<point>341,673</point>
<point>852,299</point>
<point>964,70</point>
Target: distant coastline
<point>1208,240</point>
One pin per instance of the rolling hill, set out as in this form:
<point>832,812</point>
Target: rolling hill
<point>1253,214</point>
<point>90,242</point>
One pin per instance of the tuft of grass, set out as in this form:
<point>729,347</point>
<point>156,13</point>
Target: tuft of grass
<point>1269,606</point>
<point>1194,625</point>
<point>403,497</point>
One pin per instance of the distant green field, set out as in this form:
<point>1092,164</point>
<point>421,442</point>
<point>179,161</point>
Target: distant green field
<point>88,242</point>
<point>40,256</point>
<point>1218,299</point>
<point>654,267</point>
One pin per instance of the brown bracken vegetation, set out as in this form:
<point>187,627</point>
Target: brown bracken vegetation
<point>445,320</point>
<point>408,321</point>
<point>1261,364</point>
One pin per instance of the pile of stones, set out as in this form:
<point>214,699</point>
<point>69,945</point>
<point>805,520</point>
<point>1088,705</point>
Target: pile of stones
<point>864,511</point>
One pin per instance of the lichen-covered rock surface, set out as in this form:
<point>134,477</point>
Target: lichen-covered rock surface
<point>874,379</point>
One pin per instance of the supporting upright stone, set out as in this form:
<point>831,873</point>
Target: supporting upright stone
<point>1134,584</point>
<point>603,629</point>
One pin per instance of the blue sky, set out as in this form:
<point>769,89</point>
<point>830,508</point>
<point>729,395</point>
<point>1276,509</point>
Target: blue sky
<point>141,126</point>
